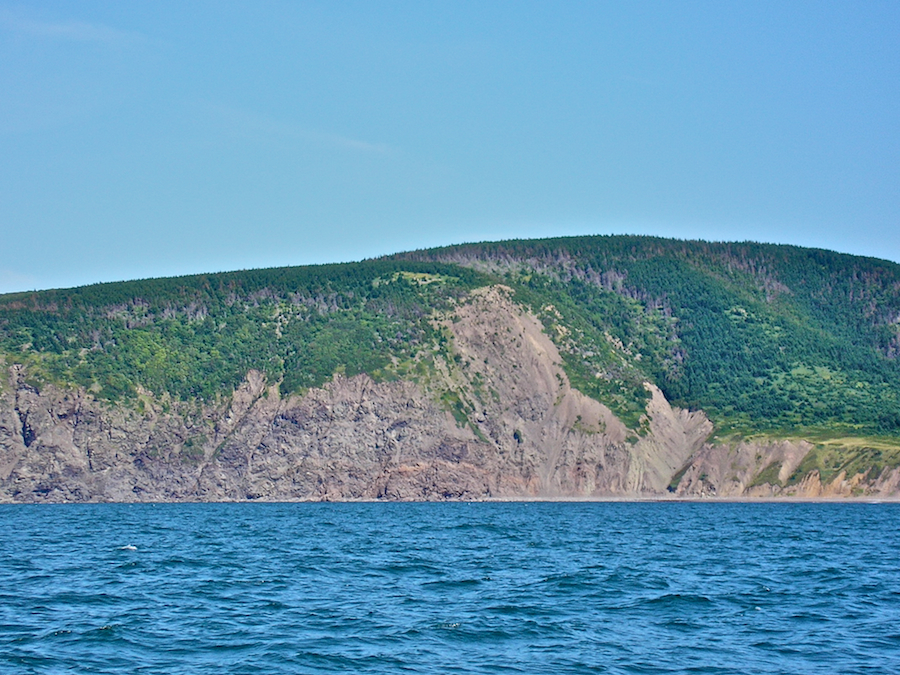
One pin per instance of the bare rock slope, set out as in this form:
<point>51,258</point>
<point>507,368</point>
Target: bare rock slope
<point>520,431</point>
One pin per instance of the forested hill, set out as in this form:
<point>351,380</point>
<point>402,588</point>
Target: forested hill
<point>763,338</point>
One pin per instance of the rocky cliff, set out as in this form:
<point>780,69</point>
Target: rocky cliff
<point>494,418</point>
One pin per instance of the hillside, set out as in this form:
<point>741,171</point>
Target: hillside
<point>575,367</point>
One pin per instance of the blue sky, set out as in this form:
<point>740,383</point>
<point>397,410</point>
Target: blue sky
<point>153,139</point>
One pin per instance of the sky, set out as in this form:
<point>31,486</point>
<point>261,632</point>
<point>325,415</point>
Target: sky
<point>146,139</point>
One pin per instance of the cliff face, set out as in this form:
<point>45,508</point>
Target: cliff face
<point>520,431</point>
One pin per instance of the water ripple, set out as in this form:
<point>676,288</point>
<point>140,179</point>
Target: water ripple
<point>451,588</point>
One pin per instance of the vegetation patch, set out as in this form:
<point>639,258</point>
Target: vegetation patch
<point>768,476</point>
<point>676,479</point>
<point>192,448</point>
<point>852,455</point>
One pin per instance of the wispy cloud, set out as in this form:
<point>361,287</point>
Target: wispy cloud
<point>355,144</point>
<point>260,123</point>
<point>75,31</point>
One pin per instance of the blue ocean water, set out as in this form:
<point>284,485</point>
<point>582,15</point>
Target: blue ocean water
<point>450,588</point>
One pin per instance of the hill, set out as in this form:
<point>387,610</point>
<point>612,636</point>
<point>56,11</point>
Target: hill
<point>586,366</point>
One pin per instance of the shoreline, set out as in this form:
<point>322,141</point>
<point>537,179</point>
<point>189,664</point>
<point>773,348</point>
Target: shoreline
<point>512,500</point>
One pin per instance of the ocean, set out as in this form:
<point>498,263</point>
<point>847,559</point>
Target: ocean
<point>450,588</point>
